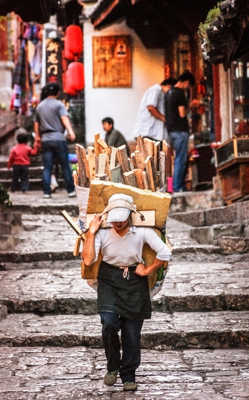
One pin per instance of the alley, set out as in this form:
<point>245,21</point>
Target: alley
<point>195,346</point>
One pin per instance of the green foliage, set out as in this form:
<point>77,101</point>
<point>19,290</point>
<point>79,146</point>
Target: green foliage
<point>4,197</point>
<point>211,16</point>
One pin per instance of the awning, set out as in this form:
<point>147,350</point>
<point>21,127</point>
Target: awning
<point>38,11</point>
<point>157,22</point>
<point>41,10</point>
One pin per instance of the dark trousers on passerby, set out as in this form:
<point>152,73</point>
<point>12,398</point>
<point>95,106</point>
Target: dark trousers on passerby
<point>130,341</point>
<point>56,150</point>
<point>20,178</point>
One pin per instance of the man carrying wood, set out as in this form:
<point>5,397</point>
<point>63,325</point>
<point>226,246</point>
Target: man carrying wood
<point>123,292</point>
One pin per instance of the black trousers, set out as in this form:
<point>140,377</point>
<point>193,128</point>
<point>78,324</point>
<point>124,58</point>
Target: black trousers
<point>130,343</point>
<point>20,178</point>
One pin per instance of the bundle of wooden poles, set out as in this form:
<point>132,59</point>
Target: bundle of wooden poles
<point>147,167</point>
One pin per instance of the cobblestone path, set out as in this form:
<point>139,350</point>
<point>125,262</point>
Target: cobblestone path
<point>195,347</point>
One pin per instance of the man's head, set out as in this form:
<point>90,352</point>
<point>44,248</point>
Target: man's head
<point>108,124</point>
<point>52,89</point>
<point>185,80</point>
<point>21,135</point>
<point>167,84</point>
<point>120,209</point>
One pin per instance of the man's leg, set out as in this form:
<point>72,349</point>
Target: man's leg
<point>110,327</point>
<point>130,336</point>
<point>47,159</point>
<point>62,156</point>
<point>179,141</point>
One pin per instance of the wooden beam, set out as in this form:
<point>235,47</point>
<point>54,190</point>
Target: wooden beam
<point>97,148</point>
<point>139,178</point>
<point>116,174</point>
<point>122,157</point>
<point>113,157</point>
<point>156,155</point>
<point>149,147</point>
<point>130,178</point>
<point>101,172</point>
<point>82,178</point>
<point>162,167</point>
<point>139,157</point>
<point>91,161</point>
<point>150,174</point>
<point>145,180</point>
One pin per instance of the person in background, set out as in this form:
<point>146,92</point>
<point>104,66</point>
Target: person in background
<point>123,292</point>
<point>19,159</point>
<point>176,108</point>
<point>51,120</point>
<point>113,137</point>
<point>150,121</point>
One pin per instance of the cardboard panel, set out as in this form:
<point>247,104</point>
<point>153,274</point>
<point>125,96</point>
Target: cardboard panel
<point>145,200</point>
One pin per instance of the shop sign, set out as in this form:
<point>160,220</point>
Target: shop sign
<point>112,61</point>
<point>53,60</point>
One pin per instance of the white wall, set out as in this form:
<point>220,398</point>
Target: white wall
<point>120,104</point>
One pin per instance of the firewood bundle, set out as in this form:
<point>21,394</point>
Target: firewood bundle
<point>147,167</point>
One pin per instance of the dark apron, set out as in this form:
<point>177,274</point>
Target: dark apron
<point>130,298</point>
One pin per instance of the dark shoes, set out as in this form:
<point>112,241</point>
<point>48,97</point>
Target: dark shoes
<point>129,386</point>
<point>110,378</point>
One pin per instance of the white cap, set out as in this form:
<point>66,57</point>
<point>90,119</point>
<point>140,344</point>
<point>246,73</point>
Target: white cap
<point>119,214</point>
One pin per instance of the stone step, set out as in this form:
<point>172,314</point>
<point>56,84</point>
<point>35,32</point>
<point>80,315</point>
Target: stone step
<point>192,201</point>
<point>34,172</point>
<point>189,287</point>
<point>188,253</point>
<point>238,212</point>
<point>210,330</point>
<point>211,234</point>
<point>76,373</point>
<point>33,202</point>
<point>34,183</point>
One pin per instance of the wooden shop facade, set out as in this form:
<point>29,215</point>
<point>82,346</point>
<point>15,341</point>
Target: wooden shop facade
<point>226,47</point>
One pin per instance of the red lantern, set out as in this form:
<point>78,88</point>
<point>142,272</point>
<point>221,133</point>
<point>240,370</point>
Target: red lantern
<point>76,75</point>
<point>68,88</point>
<point>73,44</point>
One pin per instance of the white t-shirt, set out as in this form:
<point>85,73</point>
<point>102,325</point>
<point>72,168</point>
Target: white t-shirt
<point>127,250</point>
<point>146,124</point>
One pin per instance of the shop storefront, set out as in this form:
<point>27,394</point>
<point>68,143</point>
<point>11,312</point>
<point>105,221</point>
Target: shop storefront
<point>226,47</point>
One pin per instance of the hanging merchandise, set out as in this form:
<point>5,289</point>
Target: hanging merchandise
<point>73,42</point>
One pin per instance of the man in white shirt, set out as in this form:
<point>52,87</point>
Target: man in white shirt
<point>123,292</point>
<point>150,121</point>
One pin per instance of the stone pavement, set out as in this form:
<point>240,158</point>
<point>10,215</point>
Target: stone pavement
<point>195,346</point>
<point>55,373</point>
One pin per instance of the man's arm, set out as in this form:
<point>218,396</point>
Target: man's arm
<point>143,270</point>
<point>37,133</point>
<point>67,124</point>
<point>182,111</point>
<point>88,253</point>
<point>155,113</point>
<point>163,253</point>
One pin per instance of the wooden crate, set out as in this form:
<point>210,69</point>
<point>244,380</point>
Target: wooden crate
<point>235,181</point>
<point>231,151</point>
